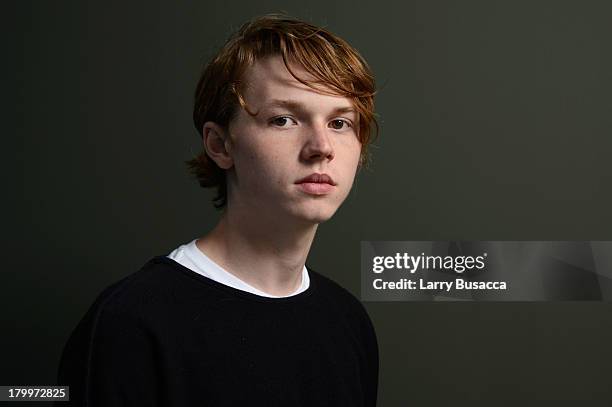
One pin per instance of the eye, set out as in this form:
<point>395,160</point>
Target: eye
<point>282,121</point>
<point>339,124</point>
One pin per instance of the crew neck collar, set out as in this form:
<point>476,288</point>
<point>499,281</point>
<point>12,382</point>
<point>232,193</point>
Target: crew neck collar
<point>163,259</point>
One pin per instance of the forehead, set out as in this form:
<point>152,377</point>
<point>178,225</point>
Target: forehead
<point>268,79</point>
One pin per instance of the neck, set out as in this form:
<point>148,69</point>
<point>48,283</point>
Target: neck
<point>268,253</point>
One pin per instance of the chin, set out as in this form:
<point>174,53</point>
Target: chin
<point>315,213</point>
<point>317,219</point>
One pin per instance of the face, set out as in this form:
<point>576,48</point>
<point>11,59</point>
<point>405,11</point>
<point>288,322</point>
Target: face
<point>297,157</point>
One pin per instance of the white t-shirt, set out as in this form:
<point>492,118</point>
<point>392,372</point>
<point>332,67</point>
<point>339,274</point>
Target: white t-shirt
<point>190,256</point>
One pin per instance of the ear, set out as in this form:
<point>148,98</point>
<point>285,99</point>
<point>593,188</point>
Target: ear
<point>217,145</point>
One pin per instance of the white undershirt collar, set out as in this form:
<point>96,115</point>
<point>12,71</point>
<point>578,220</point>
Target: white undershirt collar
<point>190,256</point>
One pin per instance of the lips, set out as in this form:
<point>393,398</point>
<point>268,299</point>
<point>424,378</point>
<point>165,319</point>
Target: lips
<point>317,179</point>
<point>316,184</point>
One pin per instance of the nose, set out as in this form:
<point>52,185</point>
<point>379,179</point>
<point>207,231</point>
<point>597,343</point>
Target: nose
<point>318,145</point>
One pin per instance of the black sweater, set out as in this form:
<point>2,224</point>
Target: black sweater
<point>167,336</point>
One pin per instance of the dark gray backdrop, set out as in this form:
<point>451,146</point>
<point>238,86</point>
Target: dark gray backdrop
<point>496,125</point>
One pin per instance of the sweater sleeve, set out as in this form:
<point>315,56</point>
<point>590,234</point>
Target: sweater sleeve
<point>110,361</point>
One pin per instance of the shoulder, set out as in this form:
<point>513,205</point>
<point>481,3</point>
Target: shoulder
<point>339,296</point>
<point>341,302</point>
<point>115,338</point>
<point>155,277</point>
<point>130,305</point>
<point>329,287</point>
<point>144,294</point>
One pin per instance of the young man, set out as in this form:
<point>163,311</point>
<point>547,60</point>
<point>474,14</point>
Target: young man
<point>236,318</point>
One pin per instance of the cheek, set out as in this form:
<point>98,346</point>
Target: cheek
<point>260,166</point>
<point>353,155</point>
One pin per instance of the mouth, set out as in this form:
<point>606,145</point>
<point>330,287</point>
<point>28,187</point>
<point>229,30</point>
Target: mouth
<point>316,184</point>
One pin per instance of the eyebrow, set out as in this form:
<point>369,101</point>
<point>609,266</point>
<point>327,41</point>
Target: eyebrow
<point>300,107</point>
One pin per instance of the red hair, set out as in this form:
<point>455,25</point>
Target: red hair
<point>329,59</point>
